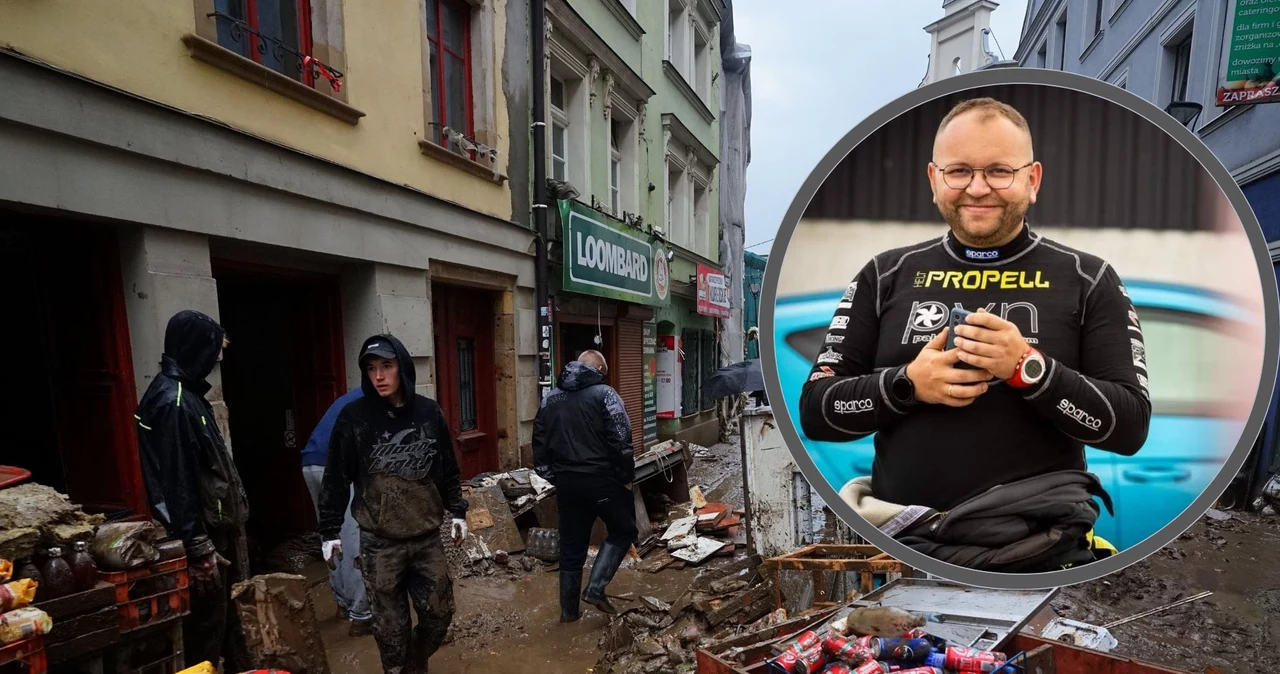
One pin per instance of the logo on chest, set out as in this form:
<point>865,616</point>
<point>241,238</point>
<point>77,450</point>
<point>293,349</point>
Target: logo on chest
<point>407,454</point>
<point>928,317</point>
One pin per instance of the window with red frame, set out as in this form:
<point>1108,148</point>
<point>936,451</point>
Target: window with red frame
<point>449,47</point>
<point>275,33</point>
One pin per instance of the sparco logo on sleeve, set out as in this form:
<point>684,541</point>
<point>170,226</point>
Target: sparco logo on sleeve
<point>854,406</point>
<point>1079,415</point>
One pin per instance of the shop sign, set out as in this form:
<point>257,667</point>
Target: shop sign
<point>713,292</point>
<point>668,378</point>
<point>1249,72</point>
<point>605,258</point>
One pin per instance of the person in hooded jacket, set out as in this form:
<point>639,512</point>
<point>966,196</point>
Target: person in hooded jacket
<point>193,486</point>
<point>582,445</point>
<point>394,445</point>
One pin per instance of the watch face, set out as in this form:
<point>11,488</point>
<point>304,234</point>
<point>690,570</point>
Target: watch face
<point>1032,369</point>
<point>902,389</point>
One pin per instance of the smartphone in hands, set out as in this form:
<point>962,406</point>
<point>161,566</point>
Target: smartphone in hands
<point>958,316</point>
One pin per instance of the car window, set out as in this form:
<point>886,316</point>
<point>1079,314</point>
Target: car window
<point>808,342</point>
<point>1190,363</point>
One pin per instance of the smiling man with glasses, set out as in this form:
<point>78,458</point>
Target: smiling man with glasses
<point>980,435</point>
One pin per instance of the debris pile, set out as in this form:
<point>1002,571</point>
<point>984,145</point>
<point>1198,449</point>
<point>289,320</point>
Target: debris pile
<point>698,530</point>
<point>499,504</point>
<point>652,636</point>
<point>34,517</point>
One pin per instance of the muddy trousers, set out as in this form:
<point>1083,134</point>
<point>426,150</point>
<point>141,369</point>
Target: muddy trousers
<point>212,630</point>
<point>580,500</point>
<point>397,572</point>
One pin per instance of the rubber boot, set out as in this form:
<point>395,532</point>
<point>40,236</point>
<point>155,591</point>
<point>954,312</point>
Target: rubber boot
<point>570,608</point>
<point>607,562</point>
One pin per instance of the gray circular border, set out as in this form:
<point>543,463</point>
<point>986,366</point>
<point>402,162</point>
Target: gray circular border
<point>1271,314</point>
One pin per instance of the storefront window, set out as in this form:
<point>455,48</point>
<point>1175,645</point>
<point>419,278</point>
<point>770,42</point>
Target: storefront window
<point>691,382</point>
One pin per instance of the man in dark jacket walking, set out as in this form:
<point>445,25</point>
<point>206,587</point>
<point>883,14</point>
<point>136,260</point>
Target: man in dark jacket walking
<point>396,448</point>
<point>193,486</point>
<point>582,445</point>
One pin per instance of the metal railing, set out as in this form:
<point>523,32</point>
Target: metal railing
<point>240,31</point>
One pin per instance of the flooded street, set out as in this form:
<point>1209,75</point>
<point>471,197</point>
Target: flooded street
<point>509,621</point>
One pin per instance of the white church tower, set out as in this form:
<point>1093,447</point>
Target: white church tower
<point>961,39</point>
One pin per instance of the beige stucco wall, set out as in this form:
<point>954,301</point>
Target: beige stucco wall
<point>137,46</point>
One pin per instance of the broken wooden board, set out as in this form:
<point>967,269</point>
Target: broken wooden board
<point>479,519</point>
<point>280,624</point>
<point>680,528</point>
<point>503,535</point>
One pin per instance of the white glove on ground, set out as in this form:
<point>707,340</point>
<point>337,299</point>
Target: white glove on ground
<point>459,530</point>
<point>331,549</point>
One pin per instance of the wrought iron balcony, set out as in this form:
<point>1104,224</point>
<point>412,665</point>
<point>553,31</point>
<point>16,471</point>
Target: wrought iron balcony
<point>240,31</point>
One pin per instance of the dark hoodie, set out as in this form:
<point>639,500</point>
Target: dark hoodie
<point>190,477</point>
<point>401,460</point>
<point>583,429</point>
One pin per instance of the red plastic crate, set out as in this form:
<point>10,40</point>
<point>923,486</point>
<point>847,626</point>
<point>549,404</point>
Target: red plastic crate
<point>29,652</point>
<point>152,594</point>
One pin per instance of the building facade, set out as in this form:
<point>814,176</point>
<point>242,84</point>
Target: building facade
<point>310,172</point>
<point>633,138</point>
<point>1177,54</point>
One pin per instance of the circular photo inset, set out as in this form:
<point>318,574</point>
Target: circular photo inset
<point>1019,330</point>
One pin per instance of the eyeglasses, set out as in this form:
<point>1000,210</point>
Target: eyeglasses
<point>998,176</point>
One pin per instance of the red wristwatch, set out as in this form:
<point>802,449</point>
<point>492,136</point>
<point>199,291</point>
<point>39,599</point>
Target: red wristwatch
<point>1029,371</point>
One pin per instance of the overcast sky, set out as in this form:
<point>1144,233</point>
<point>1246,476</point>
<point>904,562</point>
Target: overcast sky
<point>818,68</point>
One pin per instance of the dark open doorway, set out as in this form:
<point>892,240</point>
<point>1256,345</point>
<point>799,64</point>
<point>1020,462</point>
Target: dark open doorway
<point>282,370</point>
<point>576,337</point>
<point>68,409</point>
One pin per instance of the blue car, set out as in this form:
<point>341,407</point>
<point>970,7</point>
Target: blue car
<point>1193,426</point>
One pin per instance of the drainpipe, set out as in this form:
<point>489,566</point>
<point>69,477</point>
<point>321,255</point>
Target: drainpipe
<point>537,23</point>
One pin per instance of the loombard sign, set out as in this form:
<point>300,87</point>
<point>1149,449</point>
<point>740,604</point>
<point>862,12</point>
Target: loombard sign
<point>608,259</point>
<point>1253,57</point>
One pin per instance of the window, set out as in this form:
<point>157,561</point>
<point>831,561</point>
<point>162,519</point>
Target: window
<point>678,229</point>
<point>690,382</point>
<point>707,366</point>
<point>559,130</point>
<point>467,383</point>
<point>1097,16</point>
<point>274,33</point>
<point>1061,34</point>
<point>449,55</point>
<point>1042,56</point>
<point>679,38</point>
<point>615,171</point>
<point>1181,68</point>
<point>957,66</point>
<point>701,67</point>
<point>701,214</point>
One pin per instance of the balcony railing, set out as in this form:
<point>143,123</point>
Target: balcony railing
<point>239,31</point>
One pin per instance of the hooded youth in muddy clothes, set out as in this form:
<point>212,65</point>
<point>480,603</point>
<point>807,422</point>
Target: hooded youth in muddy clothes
<point>582,444</point>
<point>401,461</point>
<point>192,482</point>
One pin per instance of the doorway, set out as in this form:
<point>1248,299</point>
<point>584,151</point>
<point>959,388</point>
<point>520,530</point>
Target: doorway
<point>281,371</point>
<point>576,337</point>
<point>466,378</point>
<point>68,410</point>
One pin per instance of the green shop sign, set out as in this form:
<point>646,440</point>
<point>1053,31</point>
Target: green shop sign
<point>605,258</point>
<point>1250,74</point>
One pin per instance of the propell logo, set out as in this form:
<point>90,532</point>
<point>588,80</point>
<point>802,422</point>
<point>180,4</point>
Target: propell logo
<point>854,406</point>
<point>1067,408</point>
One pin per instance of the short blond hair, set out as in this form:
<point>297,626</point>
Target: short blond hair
<point>594,359</point>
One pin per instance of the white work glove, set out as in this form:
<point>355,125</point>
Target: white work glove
<point>459,530</point>
<point>331,550</point>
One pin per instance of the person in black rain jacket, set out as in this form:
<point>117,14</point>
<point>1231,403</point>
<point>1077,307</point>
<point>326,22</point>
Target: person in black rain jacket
<point>192,483</point>
<point>395,446</point>
<point>582,445</point>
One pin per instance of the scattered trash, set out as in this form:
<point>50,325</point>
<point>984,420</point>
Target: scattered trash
<point>1218,515</point>
<point>1084,635</point>
<point>1161,609</point>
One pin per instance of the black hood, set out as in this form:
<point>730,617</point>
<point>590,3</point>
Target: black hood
<point>408,375</point>
<point>192,342</point>
<point>578,375</point>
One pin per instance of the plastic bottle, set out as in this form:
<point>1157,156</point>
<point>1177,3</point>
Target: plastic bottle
<point>83,569</point>
<point>59,581</point>
<point>25,568</point>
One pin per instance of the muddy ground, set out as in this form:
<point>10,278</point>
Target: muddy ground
<point>508,619</point>
<point>1236,629</point>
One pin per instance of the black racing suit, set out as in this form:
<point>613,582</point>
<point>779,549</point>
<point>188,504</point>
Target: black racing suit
<point>407,487</point>
<point>582,444</point>
<point>192,482</point>
<point>1069,305</point>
